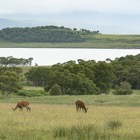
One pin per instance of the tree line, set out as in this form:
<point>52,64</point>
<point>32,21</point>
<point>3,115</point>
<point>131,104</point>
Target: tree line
<point>43,34</point>
<point>78,78</point>
<point>11,61</point>
<point>88,77</point>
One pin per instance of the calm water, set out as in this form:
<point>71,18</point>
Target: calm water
<point>51,56</point>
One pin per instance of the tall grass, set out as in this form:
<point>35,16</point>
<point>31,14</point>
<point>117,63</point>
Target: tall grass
<point>62,122</point>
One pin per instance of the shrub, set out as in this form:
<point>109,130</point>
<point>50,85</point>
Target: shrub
<point>123,89</point>
<point>55,90</point>
<point>30,93</point>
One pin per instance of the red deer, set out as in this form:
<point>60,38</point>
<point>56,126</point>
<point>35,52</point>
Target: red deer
<point>79,105</point>
<point>22,104</point>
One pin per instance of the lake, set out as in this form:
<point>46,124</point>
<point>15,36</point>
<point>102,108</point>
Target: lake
<point>50,56</point>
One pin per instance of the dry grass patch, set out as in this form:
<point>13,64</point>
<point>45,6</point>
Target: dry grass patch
<point>63,122</point>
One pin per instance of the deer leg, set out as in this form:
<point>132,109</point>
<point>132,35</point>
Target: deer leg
<point>76,108</point>
<point>21,108</point>
<point>28,108</point>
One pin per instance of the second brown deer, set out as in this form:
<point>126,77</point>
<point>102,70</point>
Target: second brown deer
<point>80,105</point>
<point>22,104</point>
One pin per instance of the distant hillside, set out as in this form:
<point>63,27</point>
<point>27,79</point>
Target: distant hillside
<point>6,23</point>
<point>62,37</point>
<point>44,34</point>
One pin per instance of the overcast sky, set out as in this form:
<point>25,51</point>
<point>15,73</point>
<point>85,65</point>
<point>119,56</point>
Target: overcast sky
<point>109,16</point>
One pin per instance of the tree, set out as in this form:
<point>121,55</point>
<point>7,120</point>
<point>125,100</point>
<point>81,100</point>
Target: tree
<point>123,89</point>
<point>11,61</point>
<point>37,75</point>
<point>71,83</point>
<point>74,29</point>
<point>40,34</point>
<point>9,83</point>
<point>104,76</point>
<point>127,69</point>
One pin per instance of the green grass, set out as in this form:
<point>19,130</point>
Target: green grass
<point>33,88</point>
<point>96,100</point>
<point>92,41</point>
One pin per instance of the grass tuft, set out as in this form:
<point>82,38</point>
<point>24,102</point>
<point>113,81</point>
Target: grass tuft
<point>114,124</point>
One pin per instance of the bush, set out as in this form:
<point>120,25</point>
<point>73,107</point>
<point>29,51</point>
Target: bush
<point>55,90</point>
<point>30,93</point>
<point>123,89</point>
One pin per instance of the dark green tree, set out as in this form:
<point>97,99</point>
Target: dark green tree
<point>9,82</point>
<point>38,75</point>
<point>71,83</point>
<point>104,76</point>
<point>40,34</point>
<point>127,69</point>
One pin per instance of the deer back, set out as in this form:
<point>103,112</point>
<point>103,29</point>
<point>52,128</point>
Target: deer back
<point>23,104</point>
<point>80,104</point>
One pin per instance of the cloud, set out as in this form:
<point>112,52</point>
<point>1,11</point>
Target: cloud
<point>66,6</point>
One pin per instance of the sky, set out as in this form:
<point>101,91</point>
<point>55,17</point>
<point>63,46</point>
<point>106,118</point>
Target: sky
<point>107,16</point>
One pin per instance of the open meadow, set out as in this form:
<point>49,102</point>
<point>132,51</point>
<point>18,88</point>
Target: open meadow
<point>108,117</point>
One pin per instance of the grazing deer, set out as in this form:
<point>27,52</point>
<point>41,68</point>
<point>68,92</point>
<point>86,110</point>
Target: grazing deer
<point>79,105</point>
<point>22,104</point>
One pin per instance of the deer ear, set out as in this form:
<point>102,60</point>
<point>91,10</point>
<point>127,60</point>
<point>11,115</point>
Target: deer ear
<point>87,108</point>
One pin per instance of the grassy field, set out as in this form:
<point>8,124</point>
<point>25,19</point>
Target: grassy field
<point>92,41</point>
<point>62,122</point>
<point>96,100</point>
<point>109,117</point>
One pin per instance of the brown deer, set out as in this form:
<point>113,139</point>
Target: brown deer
<point>79,105</point>
<point>22,104</point>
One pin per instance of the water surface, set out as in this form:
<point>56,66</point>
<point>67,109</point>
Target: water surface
<point>50,56</point>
